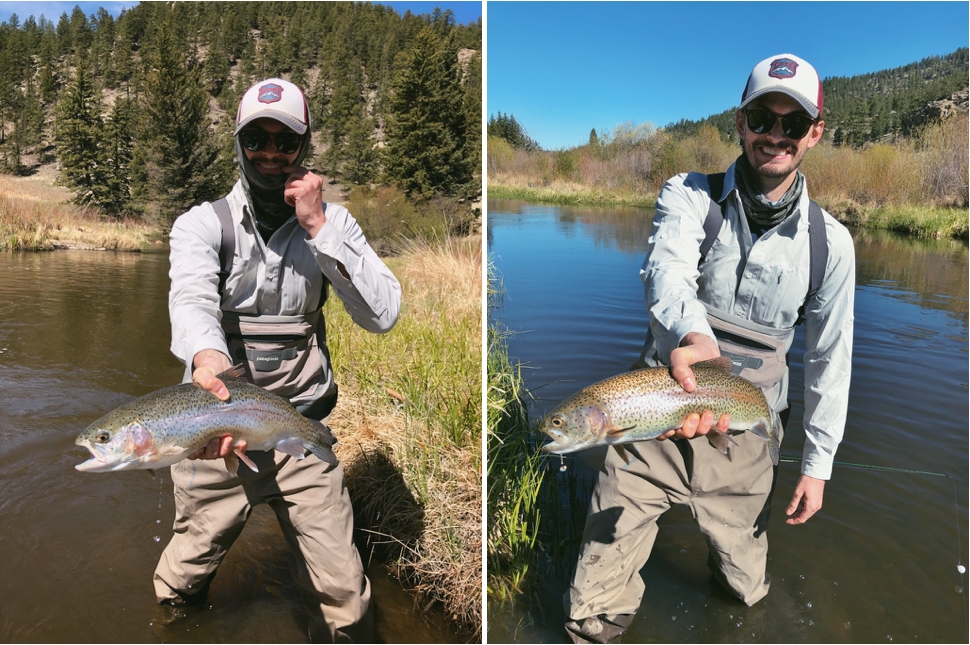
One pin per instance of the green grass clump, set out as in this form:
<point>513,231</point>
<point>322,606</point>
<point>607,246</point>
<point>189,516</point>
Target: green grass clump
<point>515,474</point>
<point>409,425</point>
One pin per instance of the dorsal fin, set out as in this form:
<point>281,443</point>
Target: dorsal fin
<point>237,372</point>
<point>721,363</point>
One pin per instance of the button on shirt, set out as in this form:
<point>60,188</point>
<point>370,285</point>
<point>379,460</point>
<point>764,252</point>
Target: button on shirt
<point>763,281</point>
<point>283,276</point>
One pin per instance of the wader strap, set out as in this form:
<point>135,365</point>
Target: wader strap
<point>228,245</point>
<point>715,215</point>
<point>818,248</point>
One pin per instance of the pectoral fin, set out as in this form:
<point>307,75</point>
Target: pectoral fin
<point>720,440</point>
<point>618,432</point>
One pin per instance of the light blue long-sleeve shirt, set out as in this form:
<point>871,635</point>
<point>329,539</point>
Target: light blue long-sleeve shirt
<point>763,281</point>
<point>281,277</point>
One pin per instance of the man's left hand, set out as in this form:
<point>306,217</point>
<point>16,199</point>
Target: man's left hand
<point>304,192</point>
<point>806,501</point>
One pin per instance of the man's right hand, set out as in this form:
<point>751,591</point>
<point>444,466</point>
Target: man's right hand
<point>694,348</point>
<point>208,363</point>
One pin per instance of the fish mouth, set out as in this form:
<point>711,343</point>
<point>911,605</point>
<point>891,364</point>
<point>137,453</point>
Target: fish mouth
<point>557,447</point>
<point>99,461</point>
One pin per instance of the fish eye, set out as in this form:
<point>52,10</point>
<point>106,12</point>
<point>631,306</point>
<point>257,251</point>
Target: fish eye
<point>103,437</point>
<point>557,421</point>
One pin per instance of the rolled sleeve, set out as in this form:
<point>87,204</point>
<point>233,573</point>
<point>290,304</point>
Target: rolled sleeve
<point>372,295</point>
<point>829,324</point>
<point>670,272</point>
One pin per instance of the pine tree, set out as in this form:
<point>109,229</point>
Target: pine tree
<point>425,123</point>
<point>178,158</point>
<point>78,131</point>
<point>117,154</point>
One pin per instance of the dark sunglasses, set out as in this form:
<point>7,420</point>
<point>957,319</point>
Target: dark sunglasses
<point>255,140</point>
<point>762,120</point>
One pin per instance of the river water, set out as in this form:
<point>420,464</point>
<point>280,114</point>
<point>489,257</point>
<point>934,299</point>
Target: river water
<point>80,334</point>
<point>879,563</point>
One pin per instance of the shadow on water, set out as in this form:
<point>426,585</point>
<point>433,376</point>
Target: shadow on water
<point>80,334</point>
<point>879,562</point>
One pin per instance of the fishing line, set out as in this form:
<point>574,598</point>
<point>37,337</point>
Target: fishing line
<point>956,502</point>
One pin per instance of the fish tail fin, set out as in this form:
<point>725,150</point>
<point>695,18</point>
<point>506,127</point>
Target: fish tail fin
<point>774,445</point>
<point>320,443</point>
<point>770,434</point>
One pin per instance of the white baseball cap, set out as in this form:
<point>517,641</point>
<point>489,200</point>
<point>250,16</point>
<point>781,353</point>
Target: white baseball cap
<point>276,99</point>
<point>788,74</point>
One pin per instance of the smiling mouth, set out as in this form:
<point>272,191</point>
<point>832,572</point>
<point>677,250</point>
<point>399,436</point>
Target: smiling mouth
<point>776,151</point>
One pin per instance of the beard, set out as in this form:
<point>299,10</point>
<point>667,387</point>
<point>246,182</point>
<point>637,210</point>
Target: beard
<point>768,170</point>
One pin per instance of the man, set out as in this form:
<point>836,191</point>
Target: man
<point>730,270</point>
<point>249,275</point>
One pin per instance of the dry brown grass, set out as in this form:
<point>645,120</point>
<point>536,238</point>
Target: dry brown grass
<point>409,424</point>
<point>35,215</point>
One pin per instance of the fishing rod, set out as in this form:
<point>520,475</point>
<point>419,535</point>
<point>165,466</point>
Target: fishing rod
<point>956,503</point>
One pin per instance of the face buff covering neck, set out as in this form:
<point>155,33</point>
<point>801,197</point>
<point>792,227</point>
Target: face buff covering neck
<point>265,193</point>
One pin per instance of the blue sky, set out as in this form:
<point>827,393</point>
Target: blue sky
<point>562,68</point>
<point>465,12</point>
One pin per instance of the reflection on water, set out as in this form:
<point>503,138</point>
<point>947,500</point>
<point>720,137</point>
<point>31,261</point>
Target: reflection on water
<point>81,333</point>
<point>879,562</point>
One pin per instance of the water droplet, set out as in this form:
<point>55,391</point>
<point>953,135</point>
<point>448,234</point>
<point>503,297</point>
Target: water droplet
<point>811,622</point>
<point>158,521</point>
<point>961,568</point>
<point>673,618</point>
<point>959,589</point>
<point>563,468</point>
<point>809,605</point>
<point>157,538</point>
<point>684,551</point>
<point>739,623</point>
<point>802,576</point>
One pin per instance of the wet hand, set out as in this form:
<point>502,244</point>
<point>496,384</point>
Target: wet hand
<point>206,377</point>
<point>698,425</point>
<point>304,192</point>
<point>219,448</point>
<point>806,501</point>
<point>694,348</point>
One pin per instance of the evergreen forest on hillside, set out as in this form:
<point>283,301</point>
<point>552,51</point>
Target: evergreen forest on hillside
<point>868,107</point>
<point>138,110</point>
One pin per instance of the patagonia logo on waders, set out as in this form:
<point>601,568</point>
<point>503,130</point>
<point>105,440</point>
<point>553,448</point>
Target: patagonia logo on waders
<point>268,360</point>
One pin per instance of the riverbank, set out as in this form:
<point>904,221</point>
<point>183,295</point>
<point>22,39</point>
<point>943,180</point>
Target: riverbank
<point>920,221</point>
<point>409,427</point>
<point>36,215</point>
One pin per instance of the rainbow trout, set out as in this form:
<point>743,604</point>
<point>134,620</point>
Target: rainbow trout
<point>646,403</point>
<point>168,425</point>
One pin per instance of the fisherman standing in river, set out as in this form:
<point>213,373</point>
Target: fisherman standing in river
<point>734,262</point>
<point>250,273</point>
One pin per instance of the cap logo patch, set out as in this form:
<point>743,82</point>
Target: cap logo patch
<point>270,93</point>
<point>782,68</point>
